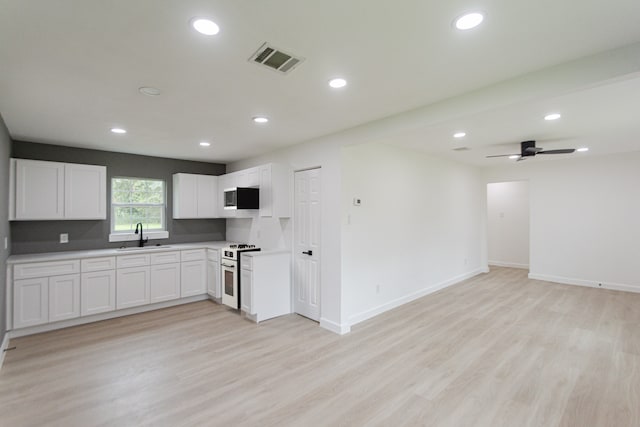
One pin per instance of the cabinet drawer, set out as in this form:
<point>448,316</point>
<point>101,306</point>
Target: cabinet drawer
<point>138,260</point>
<point>193,255</point>
<point>41,269</point>
<point>246,262</point>
<point>98,264</point>
<point>165,258</point>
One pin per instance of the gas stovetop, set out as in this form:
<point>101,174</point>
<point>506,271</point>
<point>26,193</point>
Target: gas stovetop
<point>233,251</point>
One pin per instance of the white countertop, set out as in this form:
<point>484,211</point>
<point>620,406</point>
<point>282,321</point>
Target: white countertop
<point>57,256</point>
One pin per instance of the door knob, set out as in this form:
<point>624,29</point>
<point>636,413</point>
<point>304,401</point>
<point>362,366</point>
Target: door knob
<point>308,253</point>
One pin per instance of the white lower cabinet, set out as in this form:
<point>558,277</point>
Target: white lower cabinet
<point>133,287</point>
<point>213,274</point>
<point>265,284</point>
<point>45,299</point>
<point>194,278</point>
<point>64,297</point>
<point>246,277</point>
<point>165,282</point>
<point>30,302</point>
<point>52,291</point>
<point>98,292</point>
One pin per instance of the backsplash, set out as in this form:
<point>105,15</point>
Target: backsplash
<point>43,236</point>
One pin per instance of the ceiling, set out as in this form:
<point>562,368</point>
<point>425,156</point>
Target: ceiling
<point>70,70</point>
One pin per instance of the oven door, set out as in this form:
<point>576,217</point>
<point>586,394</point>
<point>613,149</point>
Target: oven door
<point>229,273</point>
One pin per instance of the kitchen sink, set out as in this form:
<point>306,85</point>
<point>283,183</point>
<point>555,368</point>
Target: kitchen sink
<point>137,248</point>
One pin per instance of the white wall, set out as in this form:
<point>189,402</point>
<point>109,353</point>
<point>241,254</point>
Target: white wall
<point>508,223</point>
<point>419,227</point>
<point>584,218</point>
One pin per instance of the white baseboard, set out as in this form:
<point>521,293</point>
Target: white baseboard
<point>103,316</point>
<point>365,315</point>
<point>334,327</point>
<point>586,283</point>
<point>3,347</point>
<point>509,264</point>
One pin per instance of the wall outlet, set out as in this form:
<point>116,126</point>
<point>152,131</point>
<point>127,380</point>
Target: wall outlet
<point>64,238</point>
<point>357,201</point>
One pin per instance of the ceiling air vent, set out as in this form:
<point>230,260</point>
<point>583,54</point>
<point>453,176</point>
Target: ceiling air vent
<point>275,59</point>
<point>461,149</point>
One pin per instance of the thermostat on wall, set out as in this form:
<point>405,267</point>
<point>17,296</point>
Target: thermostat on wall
<point>357,201</point>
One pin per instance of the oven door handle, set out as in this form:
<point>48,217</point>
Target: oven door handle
<point>228,266</point>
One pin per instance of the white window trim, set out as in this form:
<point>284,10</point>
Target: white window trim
<point>127,237</point>
<point>131,236</point>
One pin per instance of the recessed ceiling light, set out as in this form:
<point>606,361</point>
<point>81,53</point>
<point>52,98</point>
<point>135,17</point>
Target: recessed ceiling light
<point>515,156</point>
<point>337,83</point>
<point>149,91</point>
<point>552,116</point>
<point>205,144</point>
<point>260,119</point>
<point>205,26</point>
<point>583,149</point>
<point>118,130</point>
<point>469,20</point>
<point>459,135</point>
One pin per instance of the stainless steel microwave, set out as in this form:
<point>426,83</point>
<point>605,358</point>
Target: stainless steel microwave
<point>242,198</point>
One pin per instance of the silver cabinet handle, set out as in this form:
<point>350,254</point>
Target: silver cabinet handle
<point>228,266</point>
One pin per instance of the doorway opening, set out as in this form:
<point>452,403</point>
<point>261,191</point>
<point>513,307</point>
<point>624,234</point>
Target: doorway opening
<point>508,231</point>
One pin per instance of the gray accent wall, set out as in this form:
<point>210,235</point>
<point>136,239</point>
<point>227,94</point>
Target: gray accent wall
<point>44,236</point>
<point>5,150</point>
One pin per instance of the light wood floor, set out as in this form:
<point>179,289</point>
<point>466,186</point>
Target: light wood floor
<point>496,350</point>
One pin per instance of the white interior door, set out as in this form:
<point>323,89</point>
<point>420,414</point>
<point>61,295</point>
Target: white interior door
<point>306,246</point>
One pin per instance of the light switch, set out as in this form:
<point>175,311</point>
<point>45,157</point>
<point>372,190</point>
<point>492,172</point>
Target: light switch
<point>64,238</point>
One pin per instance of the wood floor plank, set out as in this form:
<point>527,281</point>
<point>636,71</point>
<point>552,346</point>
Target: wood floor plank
<point>498,349</point>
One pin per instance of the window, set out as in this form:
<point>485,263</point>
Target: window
<point>135,200</point>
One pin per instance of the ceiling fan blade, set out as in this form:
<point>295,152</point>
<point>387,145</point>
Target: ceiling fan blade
<point>560,151</point>
<point>503,155</point>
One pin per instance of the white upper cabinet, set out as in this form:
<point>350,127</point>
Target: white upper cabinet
<point>207,196</point>
<point>274,182</point>
<point>85,192</point>
<point>195,196</point>
<point>51,190</point>
<point>39,191</point>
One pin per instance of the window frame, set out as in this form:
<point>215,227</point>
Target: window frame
<point>128,235</point>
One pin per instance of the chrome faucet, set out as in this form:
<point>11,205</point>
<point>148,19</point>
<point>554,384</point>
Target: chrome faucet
<point>142,241</point>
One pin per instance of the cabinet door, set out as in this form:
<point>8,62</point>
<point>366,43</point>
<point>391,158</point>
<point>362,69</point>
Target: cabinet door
<point>207,196</point>
<point>97,292</point>
<point>266,191</point>
<point>30,302</point>
<point>253,177</point>
<point>132,287</point>
<point>246,298</point>
<point>39,190</point>
<point>213,279</point>
<point>165,282</point>
<point>185,196</point>
<point>194,277</point>
<point>85,192</point>
<point>64,297</point>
